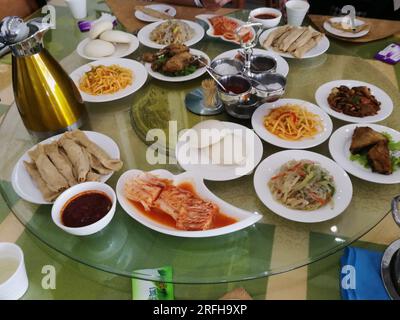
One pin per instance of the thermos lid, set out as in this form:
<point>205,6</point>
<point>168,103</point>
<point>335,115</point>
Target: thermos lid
<point>23,38</point>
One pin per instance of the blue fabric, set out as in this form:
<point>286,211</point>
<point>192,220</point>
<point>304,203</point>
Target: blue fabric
<point>360,276</point>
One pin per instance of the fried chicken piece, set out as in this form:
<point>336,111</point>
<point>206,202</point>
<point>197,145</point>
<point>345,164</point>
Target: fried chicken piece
<point>175,48</point>
<point>364,138</point>
<point>177,62</point>
<point>149,57</point>
<point>379,158</point>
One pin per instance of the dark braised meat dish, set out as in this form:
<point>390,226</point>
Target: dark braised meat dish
<point>373,144</point>
<point>355,102</point>
<point>174,60</point>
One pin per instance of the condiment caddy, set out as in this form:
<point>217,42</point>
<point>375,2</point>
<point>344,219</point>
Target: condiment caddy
<point>244,83</point>
<point>254,84</point>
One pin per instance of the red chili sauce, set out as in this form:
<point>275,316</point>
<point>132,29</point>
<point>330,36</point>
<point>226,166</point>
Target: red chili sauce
<point>265,16</point>
<point>85,208</point>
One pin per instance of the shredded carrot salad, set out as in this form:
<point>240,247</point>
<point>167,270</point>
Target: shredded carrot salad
<point>293,122</point>
<point>105,79</point>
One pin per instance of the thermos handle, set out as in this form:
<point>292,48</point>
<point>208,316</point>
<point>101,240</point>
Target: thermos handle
<point>395,210</point>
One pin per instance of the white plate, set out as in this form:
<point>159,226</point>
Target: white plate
<point>210,30</point>
<point>144,34</point>
<point>320,48</point>
<point>159,7</point>
<point>217,172</point>
<point>282,66</point>
<point>25,187</point>
<point>257,121</point>
<point>322,93</point>
<point>271,165</point>
<point>139,78</point>
<point>121,49</point>
<point>345,34</point>
<point>245,218</point>
<point>199,72</point>
<point>339,145</point>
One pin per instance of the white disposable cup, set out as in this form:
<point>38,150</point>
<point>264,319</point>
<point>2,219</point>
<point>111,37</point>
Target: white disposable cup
<point>15,286</point>
<point>78,8</point>
<point>296,10</point>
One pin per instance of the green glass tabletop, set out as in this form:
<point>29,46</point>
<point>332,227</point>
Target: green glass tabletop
<point>271,246</point>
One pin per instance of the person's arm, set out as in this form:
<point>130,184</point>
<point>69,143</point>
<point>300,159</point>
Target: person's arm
<point>20,8</point>
<point>209,4</point>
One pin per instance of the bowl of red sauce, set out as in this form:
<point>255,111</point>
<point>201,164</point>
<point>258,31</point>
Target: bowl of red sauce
<point>237,89</point>
<point>85,208</point>
<point>269,17</point>
<point>237,98</point>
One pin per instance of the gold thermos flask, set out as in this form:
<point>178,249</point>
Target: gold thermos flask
<point>47,99</point>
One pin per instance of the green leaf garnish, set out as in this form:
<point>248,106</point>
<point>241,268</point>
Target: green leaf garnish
<point>361,159</point>
<point>393,145</point>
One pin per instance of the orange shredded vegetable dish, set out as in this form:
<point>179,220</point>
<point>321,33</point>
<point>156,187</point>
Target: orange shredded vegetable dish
<point>105,80</point>
<point>293,122</point>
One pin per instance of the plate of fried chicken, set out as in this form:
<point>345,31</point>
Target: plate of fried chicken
<point>179,205</point>
<point>368,151</point>
<point>176,63</point>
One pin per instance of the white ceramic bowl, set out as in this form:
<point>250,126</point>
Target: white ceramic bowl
<point>267,23</point>
<point>73,191</point>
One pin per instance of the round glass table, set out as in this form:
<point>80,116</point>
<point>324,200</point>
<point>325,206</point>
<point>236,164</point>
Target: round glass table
<point>273,245</point>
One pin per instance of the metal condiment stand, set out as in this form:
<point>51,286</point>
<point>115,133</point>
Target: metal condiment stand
<point>247,47</point>
<point>390,265</point>
<point>194,99</point>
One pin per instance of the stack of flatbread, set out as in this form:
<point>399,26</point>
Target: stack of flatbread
<point>74,158</point>
<point>294,40</point>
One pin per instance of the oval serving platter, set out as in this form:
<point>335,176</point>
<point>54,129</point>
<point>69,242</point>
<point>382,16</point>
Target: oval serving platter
<point>245,218</point>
